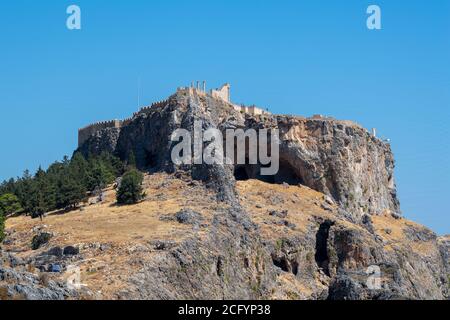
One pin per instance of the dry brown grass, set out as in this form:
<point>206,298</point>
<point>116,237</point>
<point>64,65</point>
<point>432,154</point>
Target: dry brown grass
<point>109,223</point>
<point>126,229</point>
<point>392,231</point>
<point>302,203</point>
<point>121,228</point>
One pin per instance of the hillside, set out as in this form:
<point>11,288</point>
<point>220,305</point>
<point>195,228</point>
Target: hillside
<point>326,225</point>
<point>120,246</point>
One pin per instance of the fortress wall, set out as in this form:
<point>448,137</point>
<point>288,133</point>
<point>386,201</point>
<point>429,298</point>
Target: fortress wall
<point>92,129</point>
<point>253,110</point>
<point>222,93</point>
<point>153,105</point>
<point>256,111</point>
<point>127,121</point>
<point>86,132</point>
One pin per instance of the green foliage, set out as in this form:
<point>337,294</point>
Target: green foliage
<point>132,160</point>
<point>101,170</point>
<point>9,204</point>
<point>64,185</point>
<point>40,239</point>
<point>71,191</point>
<point>130,190</point>
<point>2,227</point>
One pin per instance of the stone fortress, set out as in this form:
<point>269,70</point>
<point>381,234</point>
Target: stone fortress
<point>223,93</point>
<point>199,88</point>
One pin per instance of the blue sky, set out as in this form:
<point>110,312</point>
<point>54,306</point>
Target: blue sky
<point>295,57</point>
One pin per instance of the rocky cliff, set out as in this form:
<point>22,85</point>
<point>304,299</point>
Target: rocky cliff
<point>338,158</point>
<point>277,241</point>
<point>325,227</point>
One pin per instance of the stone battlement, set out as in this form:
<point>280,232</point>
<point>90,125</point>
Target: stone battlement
<point>222,93</point>
<point>152,106</point>
<point>90,130</point>
<point>253,110</point>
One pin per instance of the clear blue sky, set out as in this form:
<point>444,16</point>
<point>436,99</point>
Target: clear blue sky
<point>296,57</point>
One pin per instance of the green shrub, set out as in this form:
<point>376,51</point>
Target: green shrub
<point>9,204</point>
<point>63,185</point>
<point>130,189</point>
<point>2,227</point>
<point>40,239</point>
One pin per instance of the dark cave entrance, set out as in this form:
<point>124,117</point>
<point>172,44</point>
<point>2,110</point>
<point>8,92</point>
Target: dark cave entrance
<point>321,256</point>
<point>240,173</point>
<point>282,263</point>
<point>151,160</point>
<point>286,173</point>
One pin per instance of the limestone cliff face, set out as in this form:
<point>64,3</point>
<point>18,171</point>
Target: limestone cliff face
<point>338,158</point>
<point>278,245</point>
<point>342,160</point>
<point>318,229</point>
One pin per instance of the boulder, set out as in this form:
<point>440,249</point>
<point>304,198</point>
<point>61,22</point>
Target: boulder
<point>71,251</point>
<point>55,251</point>
<point>40,239</point>
<point>188,216</point>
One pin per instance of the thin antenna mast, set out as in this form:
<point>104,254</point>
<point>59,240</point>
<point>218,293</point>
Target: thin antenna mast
<point>139,92</point>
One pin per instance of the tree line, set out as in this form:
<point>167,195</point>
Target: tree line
<point>64,184</point>
<point>67,183</point>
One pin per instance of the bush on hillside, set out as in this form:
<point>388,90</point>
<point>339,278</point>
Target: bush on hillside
<point>64,185</point>
<point>2,227</point>
<point>130,190</point>
<point>9,204</point>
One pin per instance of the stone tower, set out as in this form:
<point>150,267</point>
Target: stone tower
<point>222,92</point>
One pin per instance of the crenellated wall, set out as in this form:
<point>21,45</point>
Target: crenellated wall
<point>152,106</point>
<point>222,93</point>
<point>92,129</point>
<point>253,110</point>
<point>86,132</point>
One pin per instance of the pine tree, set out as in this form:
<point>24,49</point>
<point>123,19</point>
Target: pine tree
<point>130,190</point>
<point>24,189</point>
<point>131,160</point>
<point>9,204</point>
<point>71,192</point>
<point>65,184</point>
<point>2,227</point>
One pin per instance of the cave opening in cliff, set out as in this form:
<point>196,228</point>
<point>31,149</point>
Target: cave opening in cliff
<point>151,160</point>
<point>281,262</point>
<point>240,173</point>
<point>321,256</point>
<point>286,265</point>
<point>286,174</point>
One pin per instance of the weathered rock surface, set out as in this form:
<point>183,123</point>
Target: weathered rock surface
<point>337,158</point>
<point>293,254</point>
<point>16,283</point>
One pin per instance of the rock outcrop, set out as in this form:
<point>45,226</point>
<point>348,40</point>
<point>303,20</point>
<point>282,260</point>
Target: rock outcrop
<point>18,283</point>
<point>338,158</point>
<point>286,247</point>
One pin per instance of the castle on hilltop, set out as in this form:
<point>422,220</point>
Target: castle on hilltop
<point>222,93</point>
